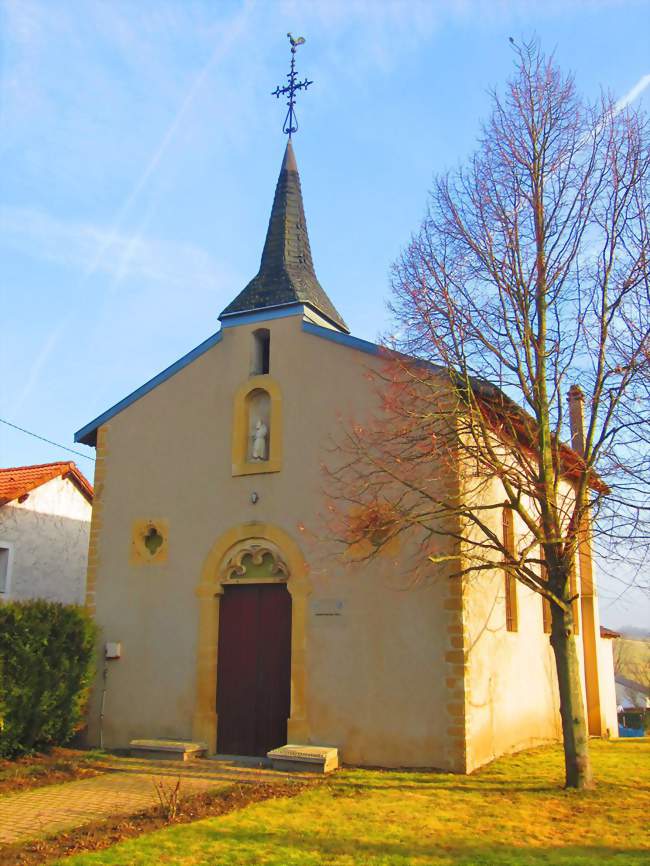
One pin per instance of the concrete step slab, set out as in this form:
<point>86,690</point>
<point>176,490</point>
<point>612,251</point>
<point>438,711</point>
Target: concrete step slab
<point>166,750</point>
<point>305,759</point>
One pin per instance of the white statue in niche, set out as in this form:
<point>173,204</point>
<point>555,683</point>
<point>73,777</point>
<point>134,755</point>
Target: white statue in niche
<point>259,440</point>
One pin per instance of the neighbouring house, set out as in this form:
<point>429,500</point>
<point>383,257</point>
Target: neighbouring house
<point>633,700</point>
<point>44,529</point>
<point>631,695</point>
<point>228,626</point>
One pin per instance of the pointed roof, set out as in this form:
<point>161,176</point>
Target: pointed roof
<point>17,481</point>
<point>286,274</point>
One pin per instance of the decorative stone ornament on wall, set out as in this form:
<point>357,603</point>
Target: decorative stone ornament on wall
<point>149,541</point>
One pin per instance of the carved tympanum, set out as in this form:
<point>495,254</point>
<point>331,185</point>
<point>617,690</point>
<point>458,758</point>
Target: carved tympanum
<point>255,560</point>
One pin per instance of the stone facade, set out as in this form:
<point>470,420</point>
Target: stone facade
<point>349,683</point>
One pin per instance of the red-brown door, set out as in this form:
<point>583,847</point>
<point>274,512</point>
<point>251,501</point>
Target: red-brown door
<point>254,669</point>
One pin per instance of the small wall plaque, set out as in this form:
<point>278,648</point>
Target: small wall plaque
<point>326,607</point>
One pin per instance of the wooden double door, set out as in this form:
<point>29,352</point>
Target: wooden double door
<point>253,668</point>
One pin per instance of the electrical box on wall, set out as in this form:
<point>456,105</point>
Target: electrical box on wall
<point>113,650</point>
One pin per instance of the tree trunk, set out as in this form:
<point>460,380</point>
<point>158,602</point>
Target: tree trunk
<point>572,710</point>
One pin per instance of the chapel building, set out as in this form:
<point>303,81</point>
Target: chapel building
<point>231,628</point>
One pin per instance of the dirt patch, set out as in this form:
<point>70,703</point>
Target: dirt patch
<point>59,765</point>
<point>103,834</point>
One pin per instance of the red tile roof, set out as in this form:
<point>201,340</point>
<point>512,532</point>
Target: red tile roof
<point>20,480</point>
<point>607,632</point>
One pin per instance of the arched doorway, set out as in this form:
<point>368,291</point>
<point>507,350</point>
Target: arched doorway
<point>252,597</point>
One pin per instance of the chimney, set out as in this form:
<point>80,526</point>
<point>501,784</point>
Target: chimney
<point>577,418</point>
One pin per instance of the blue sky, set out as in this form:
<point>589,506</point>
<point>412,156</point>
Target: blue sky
<point>140,146</point>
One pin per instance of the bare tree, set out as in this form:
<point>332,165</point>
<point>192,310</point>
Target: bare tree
<point>529,273</point>
<point>632,660</point>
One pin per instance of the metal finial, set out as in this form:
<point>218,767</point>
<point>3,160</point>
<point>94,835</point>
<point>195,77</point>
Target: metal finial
<point>290,124</point>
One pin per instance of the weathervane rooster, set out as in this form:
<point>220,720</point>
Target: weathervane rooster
<point>290,124</point>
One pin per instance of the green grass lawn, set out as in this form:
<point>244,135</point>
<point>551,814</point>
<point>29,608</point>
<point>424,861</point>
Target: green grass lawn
<point>512,812</point>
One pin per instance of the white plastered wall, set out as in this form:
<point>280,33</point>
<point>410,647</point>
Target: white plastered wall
<point>48,538</point>
<point>512,699</point>
<point>607,686</point>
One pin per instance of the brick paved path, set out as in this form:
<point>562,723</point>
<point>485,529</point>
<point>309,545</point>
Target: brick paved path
<point>126,787</point>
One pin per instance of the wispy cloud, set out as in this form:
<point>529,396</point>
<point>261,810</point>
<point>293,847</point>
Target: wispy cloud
<point>633,94</point>
<point>35,368</point>
<point>227,37</point>
<point>75,245</point>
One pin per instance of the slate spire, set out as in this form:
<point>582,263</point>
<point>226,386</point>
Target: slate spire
<point>286,274</point>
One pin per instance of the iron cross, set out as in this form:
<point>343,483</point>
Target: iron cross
<point>290,124</point>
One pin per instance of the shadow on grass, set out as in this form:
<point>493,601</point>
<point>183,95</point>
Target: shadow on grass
<point>606,788</point>
<point>314,849</point>
<point>339,788</point>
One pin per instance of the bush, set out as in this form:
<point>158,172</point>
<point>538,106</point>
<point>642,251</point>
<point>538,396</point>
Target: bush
<point>46,667</point>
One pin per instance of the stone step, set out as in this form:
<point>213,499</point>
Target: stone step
<point>309,759</point>
<point>166,750</point>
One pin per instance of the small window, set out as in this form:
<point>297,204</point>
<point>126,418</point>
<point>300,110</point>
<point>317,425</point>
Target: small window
<point>261,354</point>
<point>153,540</point>
<point>4,569</point>
<point>510,580</point>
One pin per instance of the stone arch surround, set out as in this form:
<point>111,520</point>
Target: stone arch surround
<point>208,593</point>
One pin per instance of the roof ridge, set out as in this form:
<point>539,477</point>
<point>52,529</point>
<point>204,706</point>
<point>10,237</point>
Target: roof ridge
<point>37,465</point>
<point>17,481</point>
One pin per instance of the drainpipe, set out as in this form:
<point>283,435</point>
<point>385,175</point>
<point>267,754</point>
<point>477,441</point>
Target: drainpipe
<point>103,704</point>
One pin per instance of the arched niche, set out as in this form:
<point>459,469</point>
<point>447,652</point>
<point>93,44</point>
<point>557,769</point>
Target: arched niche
<point>258,412</point>
<point>237,553</point>
<point>256,449</point>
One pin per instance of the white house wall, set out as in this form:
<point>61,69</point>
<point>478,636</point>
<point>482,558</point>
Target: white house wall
<point>48,536</point>
<point>607,685</point>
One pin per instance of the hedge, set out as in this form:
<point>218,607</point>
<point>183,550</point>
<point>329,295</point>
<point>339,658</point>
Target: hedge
<point>46,667</point>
